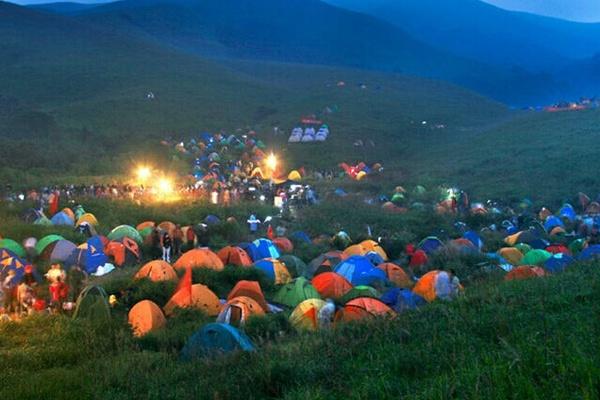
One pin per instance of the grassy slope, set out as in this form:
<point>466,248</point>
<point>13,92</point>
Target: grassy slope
<point>535,339</point>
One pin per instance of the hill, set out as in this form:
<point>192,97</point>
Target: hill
<point>64,8</point>
<point>310,32</point>
<point>481,31</point>
<point>72,93</point>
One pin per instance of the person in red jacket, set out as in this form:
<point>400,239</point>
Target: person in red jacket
<point>417,258</point>
<point>59,291</point>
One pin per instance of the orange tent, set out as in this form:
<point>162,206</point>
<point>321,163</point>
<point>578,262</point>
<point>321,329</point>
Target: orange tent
<point>199,258</point>
<point>146,317</point>
<point>167,226</point>
<point>524,272</point>
<point>124,251</point>
<point>363,308</point>
<point>331,285</point>
<point>144,225</point>
<point>511,254</point>
<point>371,245</point>
<point>425,287</point>
<point>237,311</point>
<point>232,255</point>
<point>396,275</point>
<point>249,289</point>
<point>283,244</point>
<point>202,298</point>
<point>305,315</point>
<point>69,212</point>
<point>156,271</point>
<point>354,250</point>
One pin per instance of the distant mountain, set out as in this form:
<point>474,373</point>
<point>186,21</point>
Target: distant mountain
<point>306,31</point>
<point>64,8</point>
<point>474,29</point>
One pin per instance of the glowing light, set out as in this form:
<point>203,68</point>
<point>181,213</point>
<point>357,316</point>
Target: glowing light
<point>164,186</point>
<point>143,173</point>
<point>272,162</point>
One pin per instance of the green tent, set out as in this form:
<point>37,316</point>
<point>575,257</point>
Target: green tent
<point>13,246</point>
<point>295,266</point>
<point>360,291</point>
<point>92,304</point>
<point>523,248</point>
<point>42,221</point>
<point>536,257</point>
<point>296,292</point>
<point>576,246</point>
<point>45,242</point>
<point>144,233</point>
<point>122,231</point>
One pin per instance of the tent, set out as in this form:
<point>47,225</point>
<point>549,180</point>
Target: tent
<point>275,270</point>
<point>200,297</point>
<point>46,241</point>
<point>374,258</point>
<point>237,311</point>
<point>62,218</point>
<point>295,292</point>
<point>524,272</point>
<point>167,226</point>
<point>301,236</point>
<point>43,220</point>
<point>199,258</point>
<point>145,225</point>
<point>9,261</point>
<point>232,255</point>
<point>214,339</point>
<point>13,246</point>
<point>90,257</point>
<point>396,275</point>
<point>371,245</point>
<point>363,308</point>
<point>87,218</point>
<point>474,238</point>
<point>123,231</point>
<point>354,250</point>
<point>558,262</point>
<point>577,245</point>
<point>511,254</point>
<point>283,244</point>
<point>146,317</point>
<point>125,252</point>
<point>536,257</point>
<point>558,248</point>
<point>402,299</point>
<point>265,248</point>
<point>590,253</point>
<point>92,303</point>
<point>58,251</point>
<point>305,315</point>
<point>567,212</point>
<point>359,291</point>
<point>358,270</point>
<point>249,289</point>
<point>156,271</point>
<point>331,285</point>
<point>553,222</point>
<point>251,250</point>
<point>431,287</point>
<point>430,244</point>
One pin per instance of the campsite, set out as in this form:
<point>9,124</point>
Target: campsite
<point>279,199</point>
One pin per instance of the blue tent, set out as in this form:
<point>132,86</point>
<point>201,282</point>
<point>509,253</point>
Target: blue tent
<point>402,299</point>
<point>212,220</point>
<point>552,222</point>
<point>558,262</point>
<point>430,244</point>
<point>251,250</point>
<point>358,270</point>
<point>9,261</point>
<point>474,238</point>
<point>375,258</point>
<point>265,248</point>
<point>502,263</point>
<point>301,236</point>
<point>215,339</point>
<point>89,258</point>
<point>62,218</point>
<point>590,253</point>
<point>567,211</point>
<point>538,244</point>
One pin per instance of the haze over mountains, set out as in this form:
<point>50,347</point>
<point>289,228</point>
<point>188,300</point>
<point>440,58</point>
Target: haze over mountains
<point>520,59</point>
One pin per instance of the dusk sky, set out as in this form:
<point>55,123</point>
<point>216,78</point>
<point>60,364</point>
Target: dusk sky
<point>577,10</point>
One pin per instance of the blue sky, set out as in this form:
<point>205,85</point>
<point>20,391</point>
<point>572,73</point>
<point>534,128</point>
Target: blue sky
<point>577,10</point>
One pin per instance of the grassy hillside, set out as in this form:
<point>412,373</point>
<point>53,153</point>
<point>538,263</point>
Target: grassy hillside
<point>533,339</point>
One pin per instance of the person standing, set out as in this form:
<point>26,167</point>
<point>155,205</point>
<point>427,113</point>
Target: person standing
<point>190,238</point>
<point>253,224</point>
<point>177,241</point>
<point>167,245</point>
